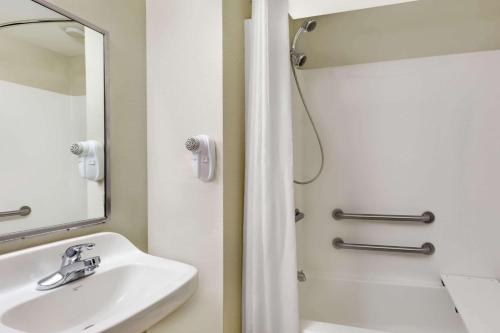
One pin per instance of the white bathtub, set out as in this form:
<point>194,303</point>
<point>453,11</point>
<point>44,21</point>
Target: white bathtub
<point>341,306</point>
<point>308,326</point>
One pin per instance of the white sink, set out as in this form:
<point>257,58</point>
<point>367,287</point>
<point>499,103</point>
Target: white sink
<point>129,292</point>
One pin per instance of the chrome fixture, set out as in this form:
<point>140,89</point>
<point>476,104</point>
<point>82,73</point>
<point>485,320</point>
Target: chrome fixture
<point>73,267</point>
<point>426,217</point>
<point>23,211</point>
<point>298,215</point>
<point>301,276</point>
<point>426,248</point>
<point>298,59</point>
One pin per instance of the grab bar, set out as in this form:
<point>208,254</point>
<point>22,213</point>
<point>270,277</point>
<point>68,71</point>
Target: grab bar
<point>426,248</point>
<point>23,211</point>
<point>426,217</point>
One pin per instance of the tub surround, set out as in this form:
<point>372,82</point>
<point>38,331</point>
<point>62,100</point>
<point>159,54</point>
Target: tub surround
<point>404,137</point>
<point>378,123</point>
<point>64,121</point>
<point>378,305</point>
<point>405,101</point>
<point>308,326</point>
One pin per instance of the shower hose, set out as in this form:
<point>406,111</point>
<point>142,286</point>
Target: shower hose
<point>309,181</point>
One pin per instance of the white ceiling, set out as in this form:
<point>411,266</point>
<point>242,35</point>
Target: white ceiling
<point>50,36</point>
<point>308,8</point>
<point>15,10</point>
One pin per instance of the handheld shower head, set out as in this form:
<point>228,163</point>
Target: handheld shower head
<point>299,59</point>
<point>309,25</point>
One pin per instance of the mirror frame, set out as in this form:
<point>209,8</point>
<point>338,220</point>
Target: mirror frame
<point>107,152</point>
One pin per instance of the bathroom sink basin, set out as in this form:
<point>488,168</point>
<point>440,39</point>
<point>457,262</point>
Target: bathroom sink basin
<point>129,292</point>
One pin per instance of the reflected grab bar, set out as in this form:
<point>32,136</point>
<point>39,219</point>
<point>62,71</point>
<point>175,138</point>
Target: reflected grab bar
<point>23,211</point>
<point>426,248</point>
<point>426,217</point>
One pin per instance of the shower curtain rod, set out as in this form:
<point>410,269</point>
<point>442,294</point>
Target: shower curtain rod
<point>15,23</point>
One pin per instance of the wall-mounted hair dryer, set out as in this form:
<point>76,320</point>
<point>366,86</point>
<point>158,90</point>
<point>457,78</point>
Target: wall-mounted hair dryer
<point>90,159</point>
<point>204,158</point>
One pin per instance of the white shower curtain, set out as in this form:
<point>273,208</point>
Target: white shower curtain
<point>270,292</point>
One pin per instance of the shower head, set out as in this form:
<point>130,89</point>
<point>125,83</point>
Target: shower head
<point>309,25</point>
<point>299,59</point>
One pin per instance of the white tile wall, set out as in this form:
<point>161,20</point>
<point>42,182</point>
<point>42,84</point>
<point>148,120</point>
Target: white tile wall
<point>403,137</point>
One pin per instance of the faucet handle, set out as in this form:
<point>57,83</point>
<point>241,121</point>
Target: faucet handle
<point>73,253</point>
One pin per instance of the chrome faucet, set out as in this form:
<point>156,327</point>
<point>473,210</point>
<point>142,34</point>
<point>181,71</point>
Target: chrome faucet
<point>73,267</point>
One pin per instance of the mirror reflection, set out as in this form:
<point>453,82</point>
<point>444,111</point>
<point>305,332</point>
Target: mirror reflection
<point>52,119</point>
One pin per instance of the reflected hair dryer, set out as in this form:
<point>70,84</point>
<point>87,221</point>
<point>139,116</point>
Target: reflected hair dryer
<point>90,159</point>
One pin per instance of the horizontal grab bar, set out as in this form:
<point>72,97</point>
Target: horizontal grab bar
<point>426,248</point>
<point>426,217</point>
<point>23,211</point>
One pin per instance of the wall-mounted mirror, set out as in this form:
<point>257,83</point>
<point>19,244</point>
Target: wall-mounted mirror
<point>53,145</point>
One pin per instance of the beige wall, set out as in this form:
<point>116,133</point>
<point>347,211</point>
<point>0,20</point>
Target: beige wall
<point>30,65</point>
<point>417,29</point>
<point>234,14</point>
<point>125,21</point>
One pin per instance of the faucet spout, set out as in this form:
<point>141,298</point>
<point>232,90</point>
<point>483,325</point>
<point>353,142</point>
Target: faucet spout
<point>72,268</point>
